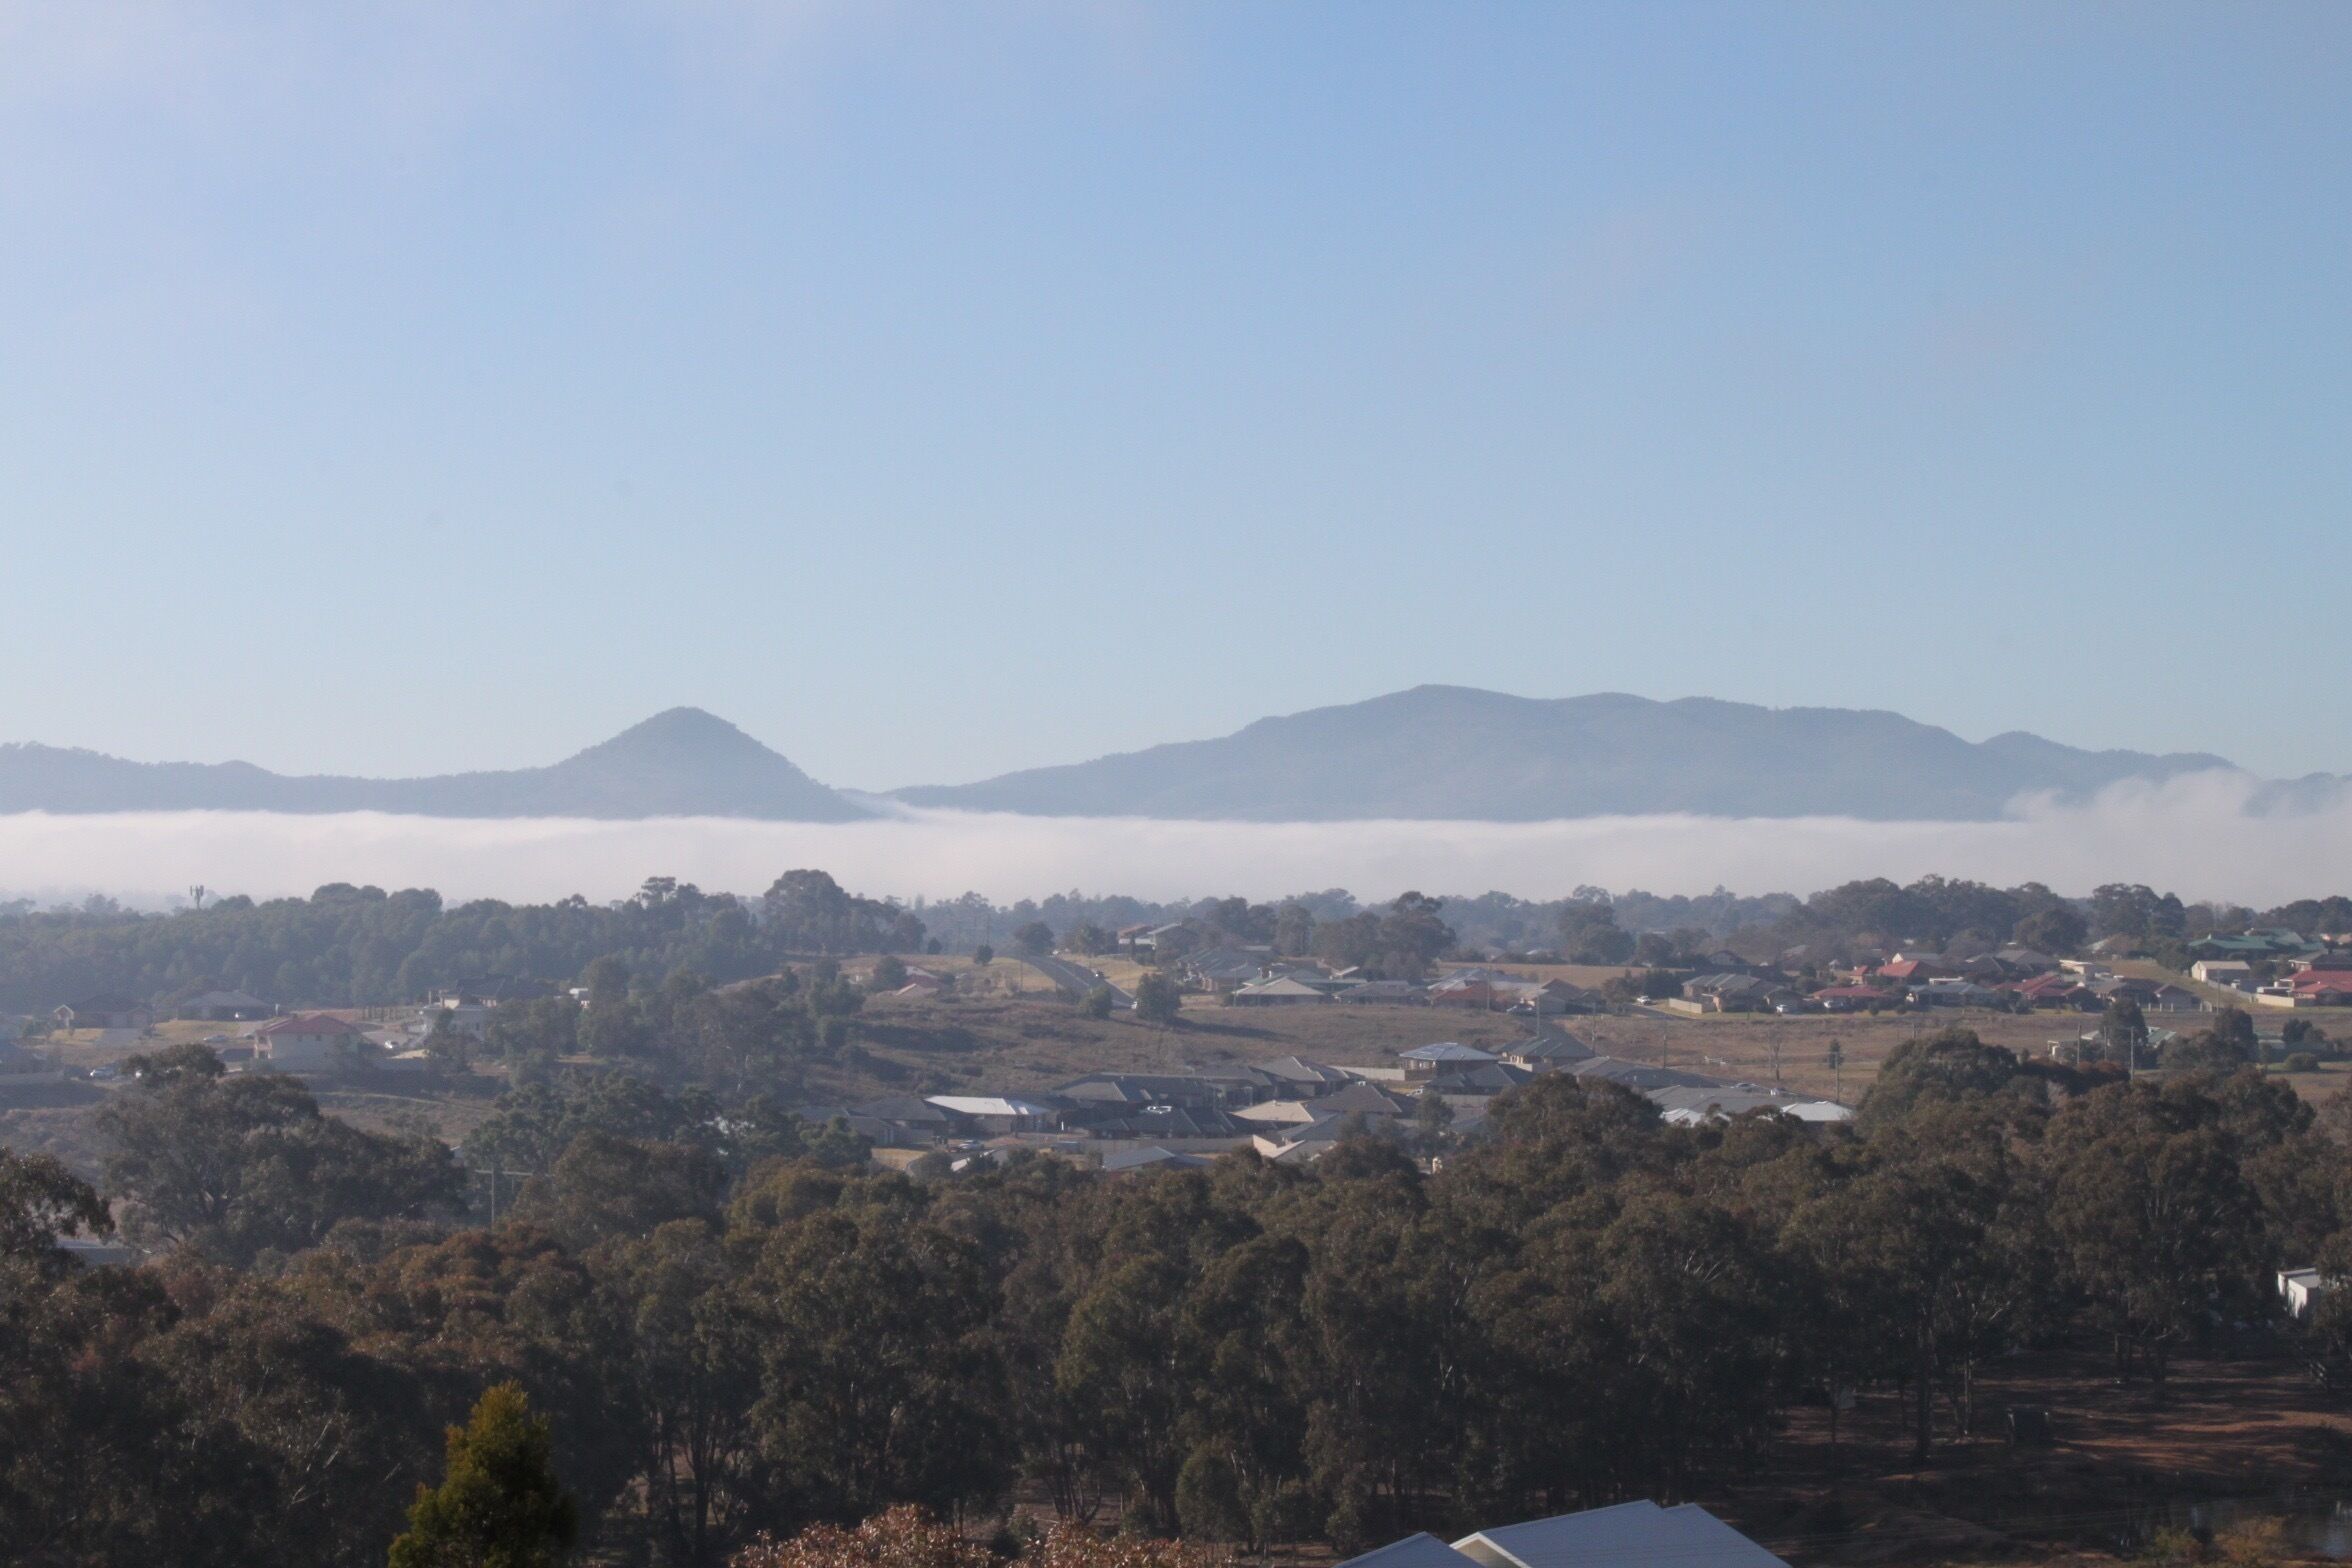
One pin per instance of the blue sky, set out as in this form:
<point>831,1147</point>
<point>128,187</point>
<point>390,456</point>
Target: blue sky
<point>936,390</point>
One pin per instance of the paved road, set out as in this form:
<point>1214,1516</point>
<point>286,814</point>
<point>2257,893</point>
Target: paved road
<point>1076,979</point>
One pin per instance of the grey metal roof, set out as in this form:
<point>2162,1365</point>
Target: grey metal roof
<point>989,1105</point>
<point>1356,1097</point>
<point>1551,1048</point>
<point>1297,1069</point>
<point>1479,1078</point>
<point>1691,1104</point>
<point>1414,1551</point>
<point>1639,1075</point>
<point>1446,1051</point>
<point>1280,985</point>
<point>1145,1159</point>
<point>1630,1535</point>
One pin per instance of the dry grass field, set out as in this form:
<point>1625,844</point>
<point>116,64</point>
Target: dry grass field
<point>1002,976</point>
<point>1007,1029</point>
<point>1023,1044</point>
<point>2242,1424</point>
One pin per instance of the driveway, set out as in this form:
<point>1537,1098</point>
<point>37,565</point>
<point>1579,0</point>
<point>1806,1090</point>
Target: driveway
<point>1076,979</point>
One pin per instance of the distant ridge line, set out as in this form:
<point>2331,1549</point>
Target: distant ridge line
<point>1431,753</point>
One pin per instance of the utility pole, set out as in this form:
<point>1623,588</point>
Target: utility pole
<point>494,1173</point>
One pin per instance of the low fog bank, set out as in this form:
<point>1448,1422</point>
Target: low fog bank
<point>2200,836</point>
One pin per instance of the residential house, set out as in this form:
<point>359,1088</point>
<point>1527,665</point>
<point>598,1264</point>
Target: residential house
<point>309,1043</point>
<point>1856,998</point>
<point>2056,989</point>
<point>1297,1071</point>
<point>1641,1077</point>
<point>108,1010</point>
<point>2153,996</point>
<point>1223,970</point>
<point>2091,1045</point>
<point>1134,1162</point>
<point>899,1121</point>
<point>1629,1535</point>
<point>493,990</point>
<point>2311,988</point>
<point>1475,992</point>
<point>1156,1123</point>
<point>1477,1080</point>
<point>1196,1090</point>
<point>224,1007</point>
<point>1725,992</point>
<point>1175,938</point>
<point>1546,1052</point>
<point>1558,999</point>
<point>1275,1113</point>
<point>994,1115</point>
<point>1358,1099</point>
<point>1280,991</point>
<point>1958,992</point>
<point>2300,1288</point>
<point>2236,973</point>
<point>1311,1141</point>
<point>467,1018</point>
<point>1427,1061</point>
<point>1686,1105</point>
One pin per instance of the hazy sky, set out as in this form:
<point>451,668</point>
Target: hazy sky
<point>938,389</point>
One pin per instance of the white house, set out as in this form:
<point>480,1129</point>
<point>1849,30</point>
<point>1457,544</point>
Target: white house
<point>2299,1288</point>
<point>997,1114</point>
<point>309,1043</point>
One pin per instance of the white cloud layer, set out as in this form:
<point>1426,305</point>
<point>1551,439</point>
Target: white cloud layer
<point>2195,836</point>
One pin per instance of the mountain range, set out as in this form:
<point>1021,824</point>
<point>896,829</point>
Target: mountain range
<point>682,763</point>
<point>1434,752</point>
<point>1456,752</point>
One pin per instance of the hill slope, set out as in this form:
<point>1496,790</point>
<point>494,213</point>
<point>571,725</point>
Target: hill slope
<point>680,763</point>
<point>1452,752</point>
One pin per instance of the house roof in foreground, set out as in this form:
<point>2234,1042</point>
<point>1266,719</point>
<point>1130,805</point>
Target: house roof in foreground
<point>1414,1551</point>
<point>1630,1535</point>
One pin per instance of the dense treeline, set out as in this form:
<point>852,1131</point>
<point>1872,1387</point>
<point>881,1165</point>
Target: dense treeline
<point>734,1328</point>
<point>360,946</point>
